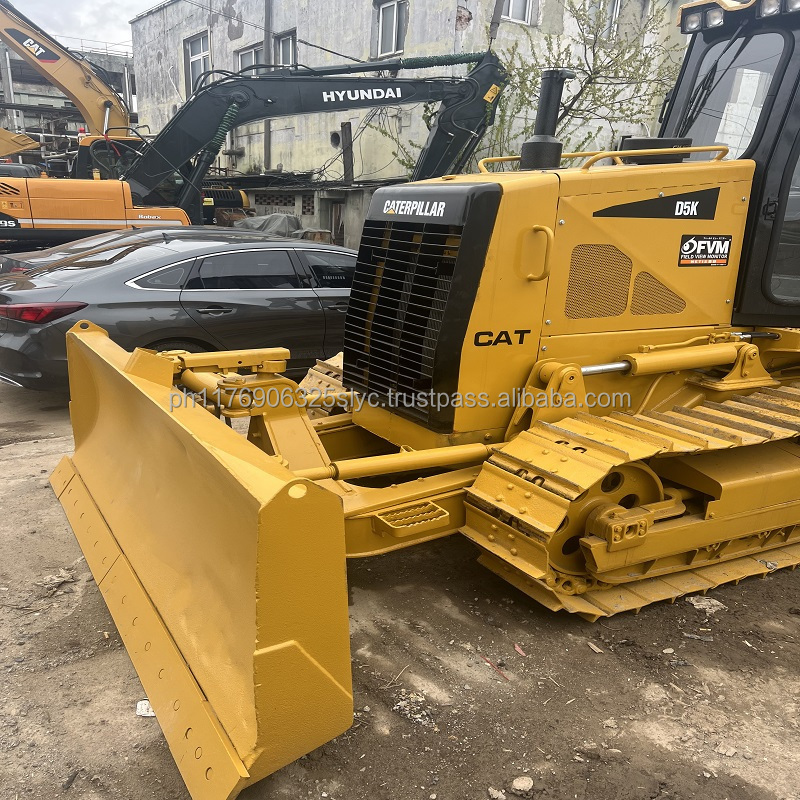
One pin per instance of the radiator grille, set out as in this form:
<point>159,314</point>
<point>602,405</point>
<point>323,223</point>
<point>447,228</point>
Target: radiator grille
<point>651,296</point>
<point>400,291</point>
<point>599,280</point>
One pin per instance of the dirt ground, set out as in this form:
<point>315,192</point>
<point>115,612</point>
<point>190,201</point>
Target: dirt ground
<point>656,713</point>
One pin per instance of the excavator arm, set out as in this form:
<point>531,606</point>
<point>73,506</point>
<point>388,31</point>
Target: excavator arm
<point>101,107</point>
<point>11,143</point>
<point>199,128</point>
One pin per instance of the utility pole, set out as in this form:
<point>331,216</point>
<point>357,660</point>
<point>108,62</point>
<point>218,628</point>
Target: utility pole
<point>495,23</point>
<point>268,47</point>
<point>11,123</point>
<point>347,152</point>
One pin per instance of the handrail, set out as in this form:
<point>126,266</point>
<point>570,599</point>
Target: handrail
<point>494,160</point>
<point>548,232</point>
<point>618,155</point>
<point>501,159</point>
<point>593,156</point>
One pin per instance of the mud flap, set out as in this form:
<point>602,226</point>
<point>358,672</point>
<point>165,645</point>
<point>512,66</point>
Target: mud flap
<point>224,573</point>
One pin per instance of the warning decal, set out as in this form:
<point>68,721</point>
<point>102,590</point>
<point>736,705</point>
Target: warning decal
<point>704,251</point>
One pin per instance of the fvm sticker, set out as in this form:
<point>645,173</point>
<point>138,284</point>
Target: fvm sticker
<point>704,251</point>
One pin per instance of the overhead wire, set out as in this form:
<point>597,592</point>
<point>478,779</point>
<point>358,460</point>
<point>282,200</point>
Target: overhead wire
<point>264,29</point>
<point>324,170</point>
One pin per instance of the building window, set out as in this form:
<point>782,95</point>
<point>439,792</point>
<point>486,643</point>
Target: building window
<point>251,57</point>
<point>392,20</point>
<point>604,16</point>
<point>518,10</point>
<point>286,49</point>
<point>199,57</point>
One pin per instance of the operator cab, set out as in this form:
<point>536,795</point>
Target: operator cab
<point>738,86</point>
<point>110,158</point>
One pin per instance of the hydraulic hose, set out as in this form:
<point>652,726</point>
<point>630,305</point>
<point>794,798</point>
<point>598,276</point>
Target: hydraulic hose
<point>190,195</point>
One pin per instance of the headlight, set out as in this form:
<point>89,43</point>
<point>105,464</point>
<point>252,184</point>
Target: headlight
<point>793,5</point>
<point>768,8</point>
<point>692,22</point>
<point>716,17</point>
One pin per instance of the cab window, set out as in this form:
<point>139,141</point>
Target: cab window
<point>785,278</point>
<point>730,91</point>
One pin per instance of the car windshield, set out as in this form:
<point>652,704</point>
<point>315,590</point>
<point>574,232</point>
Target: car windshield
<point>119,255</point>
<point>730,91</point>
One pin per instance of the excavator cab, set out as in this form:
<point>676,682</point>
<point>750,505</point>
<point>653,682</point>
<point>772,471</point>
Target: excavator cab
<point>112,157</point>
<point>739,85</point>
<point>106,157</point>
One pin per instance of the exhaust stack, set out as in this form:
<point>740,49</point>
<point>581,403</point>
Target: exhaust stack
<point>543,150</point>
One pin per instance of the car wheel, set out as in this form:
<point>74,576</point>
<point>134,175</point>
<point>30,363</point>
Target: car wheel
<point>178,344</point>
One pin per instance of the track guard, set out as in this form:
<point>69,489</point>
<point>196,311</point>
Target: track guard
<point>224,573</point>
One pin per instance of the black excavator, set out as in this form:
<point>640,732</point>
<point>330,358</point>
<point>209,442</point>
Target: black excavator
<point>159,182</point>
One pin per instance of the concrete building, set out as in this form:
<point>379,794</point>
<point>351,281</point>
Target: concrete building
<point>31,103</point>
<point>177,41</point>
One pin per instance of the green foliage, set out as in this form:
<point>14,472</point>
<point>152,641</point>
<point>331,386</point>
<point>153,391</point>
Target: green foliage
<point>623,71</point>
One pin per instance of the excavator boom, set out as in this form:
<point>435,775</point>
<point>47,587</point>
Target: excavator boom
<point>163,177</point>
<point>100,105</point>
<point>200,125</point>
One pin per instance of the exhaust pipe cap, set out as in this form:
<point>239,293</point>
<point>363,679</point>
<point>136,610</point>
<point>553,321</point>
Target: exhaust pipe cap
<point>541,152</point>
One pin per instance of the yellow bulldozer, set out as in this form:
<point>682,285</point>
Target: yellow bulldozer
<point>584,362</point>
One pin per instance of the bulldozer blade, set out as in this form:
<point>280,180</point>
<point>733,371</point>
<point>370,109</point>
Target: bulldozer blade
<point>224,572</point>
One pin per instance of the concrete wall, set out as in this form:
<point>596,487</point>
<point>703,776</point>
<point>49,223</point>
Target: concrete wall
<point>434,27</point>
<point>302,143</point>
<point>346,26</point>
<point>159,38</point>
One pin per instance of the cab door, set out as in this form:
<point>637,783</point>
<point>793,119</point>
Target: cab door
<point>257,298</point>
<point>769,291</point>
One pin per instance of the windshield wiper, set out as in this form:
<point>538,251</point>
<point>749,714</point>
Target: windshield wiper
<point>704,89</point>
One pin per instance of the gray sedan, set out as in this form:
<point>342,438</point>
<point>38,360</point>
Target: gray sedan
<point>210,290</point>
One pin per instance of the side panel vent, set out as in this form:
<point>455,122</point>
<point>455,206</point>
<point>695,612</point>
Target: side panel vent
<point>7,189</point>
<point>650,296</point>
<point>599,281</point>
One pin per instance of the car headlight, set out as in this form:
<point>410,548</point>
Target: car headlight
<point>716,17</point>
<point>768,8</point>
<point>793,5</point>
<point>692,22</point>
